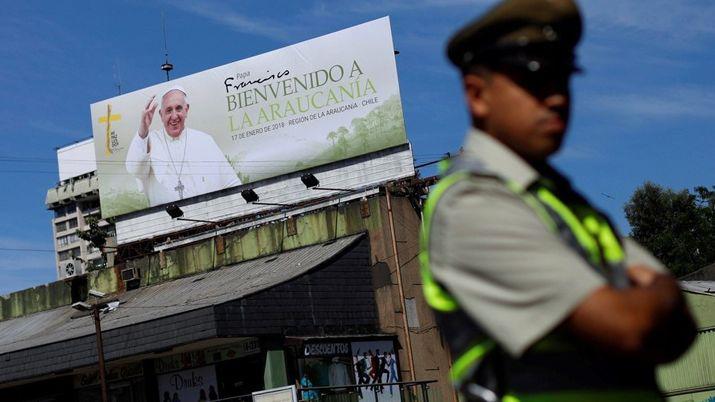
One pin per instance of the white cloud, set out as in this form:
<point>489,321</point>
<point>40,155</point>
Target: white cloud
<point>409,5</point>
<point>610,54</point>
<point>35,32</point>
<point>223,15</point>
<point>421,41</point>
<point>55,128</point>
<point>576,152</point>
<point>25,37</point>
<point>13,242</point>
<point>25,269</point>
<point>667,103</point>
<point>19,262</point>
<point>653,20</point>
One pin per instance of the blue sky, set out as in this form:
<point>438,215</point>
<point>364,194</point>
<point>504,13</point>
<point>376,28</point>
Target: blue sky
<point>643,111</point>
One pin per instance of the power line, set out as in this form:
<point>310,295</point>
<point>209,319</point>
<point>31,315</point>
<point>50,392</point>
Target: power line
<point>266,169</point>
<point>31,159</point>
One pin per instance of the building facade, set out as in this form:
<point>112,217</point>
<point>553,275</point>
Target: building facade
<point>74,202</point>
<point>333,296</point>
<point>691,378</point>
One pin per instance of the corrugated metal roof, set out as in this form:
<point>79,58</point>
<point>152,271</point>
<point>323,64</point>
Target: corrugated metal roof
<point>701,287</point>
<point>171,298</point>
<point>694,370</point>
<point>706,273</point>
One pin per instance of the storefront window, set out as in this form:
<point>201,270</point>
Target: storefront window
<point>221,372</point>
<point>356,362</point>
<point>189,385</point>
<point>124,384</point>
<point>241,376</point>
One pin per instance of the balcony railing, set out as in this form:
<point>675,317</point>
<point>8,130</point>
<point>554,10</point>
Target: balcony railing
<point>408,391</point>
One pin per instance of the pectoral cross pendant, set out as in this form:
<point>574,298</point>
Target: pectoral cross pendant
<point>180,189</point>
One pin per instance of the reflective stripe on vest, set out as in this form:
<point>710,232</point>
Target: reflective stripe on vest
<point>593,235</point>
<point>436,297</point>
<point>463,364</point>
<point>595,240</point>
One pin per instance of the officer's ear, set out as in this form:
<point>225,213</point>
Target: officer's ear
<point>475,86</point>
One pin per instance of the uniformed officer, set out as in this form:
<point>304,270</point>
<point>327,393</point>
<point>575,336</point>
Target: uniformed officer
<point>538,297</point>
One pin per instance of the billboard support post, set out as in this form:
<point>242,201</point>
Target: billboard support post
<point>400,287</point>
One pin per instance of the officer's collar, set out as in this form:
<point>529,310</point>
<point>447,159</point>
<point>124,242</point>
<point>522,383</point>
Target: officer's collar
<point>501,160</point>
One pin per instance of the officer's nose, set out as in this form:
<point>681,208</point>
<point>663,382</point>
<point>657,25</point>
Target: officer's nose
<point>556,100</point>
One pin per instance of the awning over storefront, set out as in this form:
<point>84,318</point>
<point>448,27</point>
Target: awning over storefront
<point>316,290</point>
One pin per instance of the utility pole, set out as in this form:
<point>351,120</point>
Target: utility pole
<point>94,308</point>
<point>100,351</point>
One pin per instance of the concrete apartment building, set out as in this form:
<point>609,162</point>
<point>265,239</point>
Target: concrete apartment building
<point>75,202</point>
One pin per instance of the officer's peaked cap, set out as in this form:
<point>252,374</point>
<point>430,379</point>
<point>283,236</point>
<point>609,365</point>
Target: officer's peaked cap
<point>548,28</point>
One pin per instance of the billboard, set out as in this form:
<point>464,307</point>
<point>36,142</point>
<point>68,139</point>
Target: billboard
<point>313,103</point>
<point>76,159</point>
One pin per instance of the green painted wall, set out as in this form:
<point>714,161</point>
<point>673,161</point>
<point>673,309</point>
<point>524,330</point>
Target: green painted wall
<point>33,300</point>
<point>703,308</point>
<point>312,228</point>
<point>106,280</point>
<point>695,370</point>
<point>265,240</point>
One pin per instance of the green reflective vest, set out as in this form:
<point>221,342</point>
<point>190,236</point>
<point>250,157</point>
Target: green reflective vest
<point>554,369</point>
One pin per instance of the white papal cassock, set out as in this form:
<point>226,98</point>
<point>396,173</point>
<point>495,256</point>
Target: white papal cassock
<point>177,168</point>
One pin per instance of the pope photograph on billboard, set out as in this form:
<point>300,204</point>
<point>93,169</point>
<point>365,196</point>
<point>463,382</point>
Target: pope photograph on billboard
<point>305,105</point>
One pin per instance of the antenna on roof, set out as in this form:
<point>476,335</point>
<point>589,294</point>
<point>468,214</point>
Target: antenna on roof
<point>166,66</point>
<point>117,77</point>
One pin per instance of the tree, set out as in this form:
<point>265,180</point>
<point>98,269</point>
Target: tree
<point>677,227</point>
<point>361,131</point>
<point>343,143</point>
<point>96,235</point>
<point>332,136</point>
